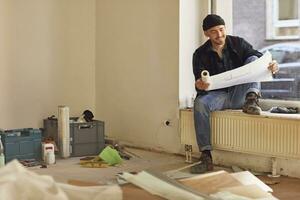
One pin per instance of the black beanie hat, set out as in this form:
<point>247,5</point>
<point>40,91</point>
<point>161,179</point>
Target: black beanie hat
<point>211,21</point>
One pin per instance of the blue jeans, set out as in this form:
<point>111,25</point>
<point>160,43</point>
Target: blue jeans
<point>218,100</point>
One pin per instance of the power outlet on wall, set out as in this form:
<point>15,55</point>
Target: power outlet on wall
<point>167,122</point>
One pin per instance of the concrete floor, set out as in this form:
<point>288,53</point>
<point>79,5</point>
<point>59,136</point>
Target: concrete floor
<point>286,188</point>
<point>66,169</point>
<point>69,169</point>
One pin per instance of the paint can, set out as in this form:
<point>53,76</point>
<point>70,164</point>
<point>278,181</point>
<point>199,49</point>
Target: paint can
<point>46,148</point>
<point>50,158</point>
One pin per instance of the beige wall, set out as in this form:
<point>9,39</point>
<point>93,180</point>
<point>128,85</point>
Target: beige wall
<point>118,58</point>
<point>137,81</point>
<point>47,58</point>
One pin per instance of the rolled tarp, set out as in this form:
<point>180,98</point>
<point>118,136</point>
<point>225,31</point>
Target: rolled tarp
<point>63,131</point>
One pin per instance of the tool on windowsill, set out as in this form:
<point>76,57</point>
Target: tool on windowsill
<point>284,110</point>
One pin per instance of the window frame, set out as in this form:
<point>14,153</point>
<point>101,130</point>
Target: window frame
<point>273,21</point>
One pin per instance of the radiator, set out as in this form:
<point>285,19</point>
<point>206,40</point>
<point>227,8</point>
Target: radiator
<point>272,135</point>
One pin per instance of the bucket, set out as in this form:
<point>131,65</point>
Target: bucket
<point>50,158</point>
<point>46,148</point>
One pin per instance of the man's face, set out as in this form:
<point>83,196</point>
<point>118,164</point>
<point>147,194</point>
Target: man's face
<point>216,34</point>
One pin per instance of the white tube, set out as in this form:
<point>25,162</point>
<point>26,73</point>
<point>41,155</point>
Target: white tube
<point>63,131</point>
<point>205,76</point>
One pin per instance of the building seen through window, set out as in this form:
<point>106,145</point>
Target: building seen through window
<point>274,26</point>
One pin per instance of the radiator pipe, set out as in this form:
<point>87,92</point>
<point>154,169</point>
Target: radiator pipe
<point>274,168</point>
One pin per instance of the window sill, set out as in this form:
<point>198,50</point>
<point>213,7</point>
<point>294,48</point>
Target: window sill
<point>278,38</point>
<point>266,104</point>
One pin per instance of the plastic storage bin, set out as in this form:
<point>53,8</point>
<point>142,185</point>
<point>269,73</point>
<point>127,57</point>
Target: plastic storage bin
<point>85,138</point>
<point>22,144</point>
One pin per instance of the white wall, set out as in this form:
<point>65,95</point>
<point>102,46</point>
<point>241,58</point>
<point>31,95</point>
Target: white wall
<point>224,9</point>
<point>47,58</point>
<point>137,73</point>
<point>191,37</point>
<point>192,13</point>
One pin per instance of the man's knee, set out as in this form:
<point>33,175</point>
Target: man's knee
<point>200,105</point>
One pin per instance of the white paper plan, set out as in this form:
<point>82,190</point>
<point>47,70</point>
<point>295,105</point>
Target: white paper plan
<point>256,71</point>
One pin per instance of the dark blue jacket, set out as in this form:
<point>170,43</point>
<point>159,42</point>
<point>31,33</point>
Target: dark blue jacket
<point>237,51</point>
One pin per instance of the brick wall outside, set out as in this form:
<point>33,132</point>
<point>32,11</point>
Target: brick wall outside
<point>249,22</point>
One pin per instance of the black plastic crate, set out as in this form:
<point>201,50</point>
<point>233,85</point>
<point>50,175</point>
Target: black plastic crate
<point>22,144</point>
<point>86,138</point>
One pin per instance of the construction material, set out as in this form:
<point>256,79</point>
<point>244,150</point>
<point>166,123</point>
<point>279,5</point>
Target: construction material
<point>2,157</point>
<point>22,144</point>
<point>86,138</point>
<point>63,131</point>
<point>92,162</point>
<point>161,185</point>
<point>247,178</point>
<point>50,158</point>
<point>211,183</point>
<point>176,174</point>
<point>29,162</point>
<point>215,185</point>
<point>19,183</point>
<point>185,167</point>
<point>110,156</point>
<point>47,148</point>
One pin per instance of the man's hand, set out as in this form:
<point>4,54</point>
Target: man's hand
<point>201,85</point>
<point>273,67</point>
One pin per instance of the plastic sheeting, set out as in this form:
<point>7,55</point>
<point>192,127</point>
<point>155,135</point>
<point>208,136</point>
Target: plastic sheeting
<point>159,187</point>
<point>16,182</point>
<point>63,131</point>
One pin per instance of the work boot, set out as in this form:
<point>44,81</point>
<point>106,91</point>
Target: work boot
<point>251,103</point>
<point>205,165</point>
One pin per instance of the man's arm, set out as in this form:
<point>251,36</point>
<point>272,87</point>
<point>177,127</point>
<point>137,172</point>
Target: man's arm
<point>248,50</point>
<point>198,67</point>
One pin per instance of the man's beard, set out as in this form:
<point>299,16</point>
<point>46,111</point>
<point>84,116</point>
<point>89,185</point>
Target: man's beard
<point>220,41</point>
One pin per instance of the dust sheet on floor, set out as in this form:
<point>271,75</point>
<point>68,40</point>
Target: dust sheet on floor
<point>17,182</point>
<point>215,185</point>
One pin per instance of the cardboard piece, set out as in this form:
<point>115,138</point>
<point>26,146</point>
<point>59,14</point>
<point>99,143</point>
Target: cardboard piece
<point>246,178</point>
<point>242,184</point>
<point>211,183</point>
<point>129,191</point>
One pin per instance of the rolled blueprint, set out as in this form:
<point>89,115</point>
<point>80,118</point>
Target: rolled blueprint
<point>205,76</point>
<point>63,131</point>
<point>256,71</point>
